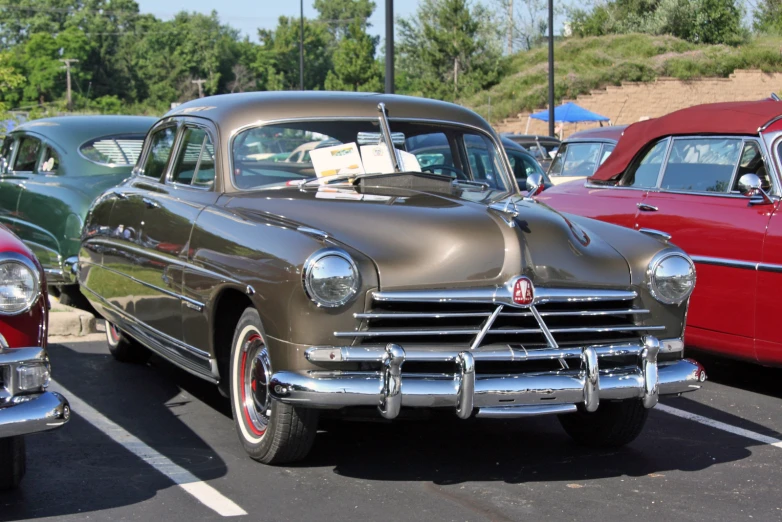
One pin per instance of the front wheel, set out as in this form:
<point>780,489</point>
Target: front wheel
<point>13,462</point>
<point>270,431</point>
<point>613,425</point>
<point>122,347</point>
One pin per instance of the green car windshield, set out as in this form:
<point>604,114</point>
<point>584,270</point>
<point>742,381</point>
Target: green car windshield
<point>287,153</point>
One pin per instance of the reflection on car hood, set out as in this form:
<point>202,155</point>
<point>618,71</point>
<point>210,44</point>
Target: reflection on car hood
<point>419,239</point>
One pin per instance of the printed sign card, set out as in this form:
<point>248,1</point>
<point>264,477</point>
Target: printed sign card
<point>339,159</point>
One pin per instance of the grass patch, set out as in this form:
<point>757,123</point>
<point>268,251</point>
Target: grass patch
<point>584,64</point>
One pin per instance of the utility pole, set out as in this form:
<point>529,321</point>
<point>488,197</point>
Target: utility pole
<point>389,46</point>
<point>68,62</point>
<point>301,46</point>
<point>510,27</point>
<point>551,67</point>
<point>200,84</point>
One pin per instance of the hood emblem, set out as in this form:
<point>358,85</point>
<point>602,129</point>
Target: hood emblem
<point>523,291</point>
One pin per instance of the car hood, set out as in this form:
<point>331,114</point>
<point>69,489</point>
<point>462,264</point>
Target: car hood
<point>433,240</point>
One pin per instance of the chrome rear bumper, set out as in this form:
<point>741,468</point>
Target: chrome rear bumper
<point>511,395</point>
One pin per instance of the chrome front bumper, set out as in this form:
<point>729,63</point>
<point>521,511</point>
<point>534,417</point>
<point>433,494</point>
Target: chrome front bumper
<point>23,412</point>
<point>509,395</point>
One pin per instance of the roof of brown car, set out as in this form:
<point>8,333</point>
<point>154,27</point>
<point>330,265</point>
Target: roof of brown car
<point>732,118</point>
<point>233,111</point>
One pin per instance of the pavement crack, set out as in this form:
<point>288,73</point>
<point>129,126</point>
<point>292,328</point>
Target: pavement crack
<point>468,503</point>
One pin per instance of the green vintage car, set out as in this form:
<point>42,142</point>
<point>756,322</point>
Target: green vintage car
<point>51,170</point>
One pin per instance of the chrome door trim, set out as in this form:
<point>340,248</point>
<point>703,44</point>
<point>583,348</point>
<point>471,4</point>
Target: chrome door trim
<point>657,234</point>
<point>737,263</point>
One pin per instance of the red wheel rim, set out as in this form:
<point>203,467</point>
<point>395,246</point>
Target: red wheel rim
<point>254,371</point>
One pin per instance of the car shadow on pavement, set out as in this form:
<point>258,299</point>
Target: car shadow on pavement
<point>740,374</point>
<point>78,469</point>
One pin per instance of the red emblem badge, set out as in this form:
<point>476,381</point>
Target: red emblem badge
<point>523,291</point>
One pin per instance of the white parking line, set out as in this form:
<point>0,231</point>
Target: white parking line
<point>199,489</point>
<point>771,441</point>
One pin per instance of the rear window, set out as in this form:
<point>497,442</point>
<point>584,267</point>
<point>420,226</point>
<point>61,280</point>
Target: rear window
<point>114,151</point>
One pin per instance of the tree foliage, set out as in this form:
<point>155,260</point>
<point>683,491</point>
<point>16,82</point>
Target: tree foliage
<point>696,21</point>
<point>449,48</point>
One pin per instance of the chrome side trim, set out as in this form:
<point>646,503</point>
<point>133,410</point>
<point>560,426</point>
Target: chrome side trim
<point>657,234</point>
<point>313,232</point>
<point>737,263</point>
<point>445,315</point>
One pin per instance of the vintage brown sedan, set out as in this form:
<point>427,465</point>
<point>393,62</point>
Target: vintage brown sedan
<point>303,287</point>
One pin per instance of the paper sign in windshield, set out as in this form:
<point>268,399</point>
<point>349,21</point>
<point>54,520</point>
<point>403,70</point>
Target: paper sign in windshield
<point>339,159</point>
<point>376,159</point>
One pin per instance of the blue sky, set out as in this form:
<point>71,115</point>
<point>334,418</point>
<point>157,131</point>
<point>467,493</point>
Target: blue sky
<point>249,15</point>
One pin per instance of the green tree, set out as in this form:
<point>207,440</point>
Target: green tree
<point>768,17</point>
<point>277,61</point>
<point>449,48</point>
<point>339,14</point>
<point>355,67</point>
<point>10,79</point>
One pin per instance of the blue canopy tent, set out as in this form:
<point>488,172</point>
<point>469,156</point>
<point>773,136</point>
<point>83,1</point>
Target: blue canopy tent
<point>570,113</point>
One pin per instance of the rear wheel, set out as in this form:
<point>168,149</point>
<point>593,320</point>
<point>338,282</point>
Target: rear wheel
<point>122,347</point>
<point>13,462</point>
<point>613,425</point>
<point>270,431</point>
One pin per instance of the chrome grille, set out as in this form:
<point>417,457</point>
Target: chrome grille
<point>475,318</point>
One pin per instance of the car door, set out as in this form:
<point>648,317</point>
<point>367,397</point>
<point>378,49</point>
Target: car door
<point>10,183</point>
<point>768,334</point>
<point>171,209</point>
<point>699,205</point>
<point>128,276</point>
<point>45,217</point>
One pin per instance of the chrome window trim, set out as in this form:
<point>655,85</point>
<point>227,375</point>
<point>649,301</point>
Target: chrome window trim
<point>138,171</point>
<point>168,179</point>
<point>16,257</point>
<point>773,153</point>
<point>509,179</point>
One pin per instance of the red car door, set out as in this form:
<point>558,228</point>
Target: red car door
<point>699,206</point>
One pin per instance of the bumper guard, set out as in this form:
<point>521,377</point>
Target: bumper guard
<point>498,396</point>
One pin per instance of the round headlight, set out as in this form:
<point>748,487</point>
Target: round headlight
<point>671,277</point>
<point>18,287</point>
<point>330,277</point>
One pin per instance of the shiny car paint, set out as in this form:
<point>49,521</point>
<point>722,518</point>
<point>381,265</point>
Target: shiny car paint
<point>163,261</point>
<point>736,245</point>
<point>47,209</point>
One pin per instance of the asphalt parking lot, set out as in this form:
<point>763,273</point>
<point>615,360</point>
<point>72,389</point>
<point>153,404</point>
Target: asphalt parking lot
<point>153,443</point>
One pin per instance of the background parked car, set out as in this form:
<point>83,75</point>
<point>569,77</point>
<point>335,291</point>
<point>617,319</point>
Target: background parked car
<point>52,170</point>
<point>708,178</point>
<point>583,152</point>
<point>25,405</point>
<point>383,289</point>
<point>539,146</point>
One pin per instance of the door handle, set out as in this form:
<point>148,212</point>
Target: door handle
<point>150,203</point>
<point>646,208</point>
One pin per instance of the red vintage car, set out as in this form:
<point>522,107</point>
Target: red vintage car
<point>707,178</point>
<point>25,405</point>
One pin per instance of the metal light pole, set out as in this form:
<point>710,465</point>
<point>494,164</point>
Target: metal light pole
<point>389,46</point>
<point>551,67</point>
<point>301,46</point>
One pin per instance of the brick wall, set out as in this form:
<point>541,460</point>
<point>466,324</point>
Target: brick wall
<point>632,101</point>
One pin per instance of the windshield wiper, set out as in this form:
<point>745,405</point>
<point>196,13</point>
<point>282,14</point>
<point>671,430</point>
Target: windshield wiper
<point>472,184</point>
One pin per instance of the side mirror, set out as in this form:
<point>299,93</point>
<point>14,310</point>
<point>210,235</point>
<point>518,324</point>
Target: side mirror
<point>751,186</point>
<point>534,184</point>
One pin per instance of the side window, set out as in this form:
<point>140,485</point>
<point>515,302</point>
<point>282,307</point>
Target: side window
<point>9,145</point>
<point>702,165</point>
<point>483,159</point>
<point>27,157</point>
<point>644,173</point>
<point>607,150</point>
<point>751,162</point>
<point>49,161</point>
<point>161,144</point>
<point>559,161</point>
<point>195,162</point>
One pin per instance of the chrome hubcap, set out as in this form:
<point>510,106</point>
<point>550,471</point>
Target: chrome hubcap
<point>256,372</point>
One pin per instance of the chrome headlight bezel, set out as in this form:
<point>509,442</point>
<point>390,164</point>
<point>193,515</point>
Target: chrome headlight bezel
<point>652,276</point>
<point>307,273</point>
<point>27,264</point>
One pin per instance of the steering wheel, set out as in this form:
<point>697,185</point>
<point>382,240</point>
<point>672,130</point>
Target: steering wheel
<point>446,169</point>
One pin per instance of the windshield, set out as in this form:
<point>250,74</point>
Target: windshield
<point>577,159</point>
<point>299,151</point>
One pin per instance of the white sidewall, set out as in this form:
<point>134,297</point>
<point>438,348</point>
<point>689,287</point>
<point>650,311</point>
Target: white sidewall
<point>237,381</point>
